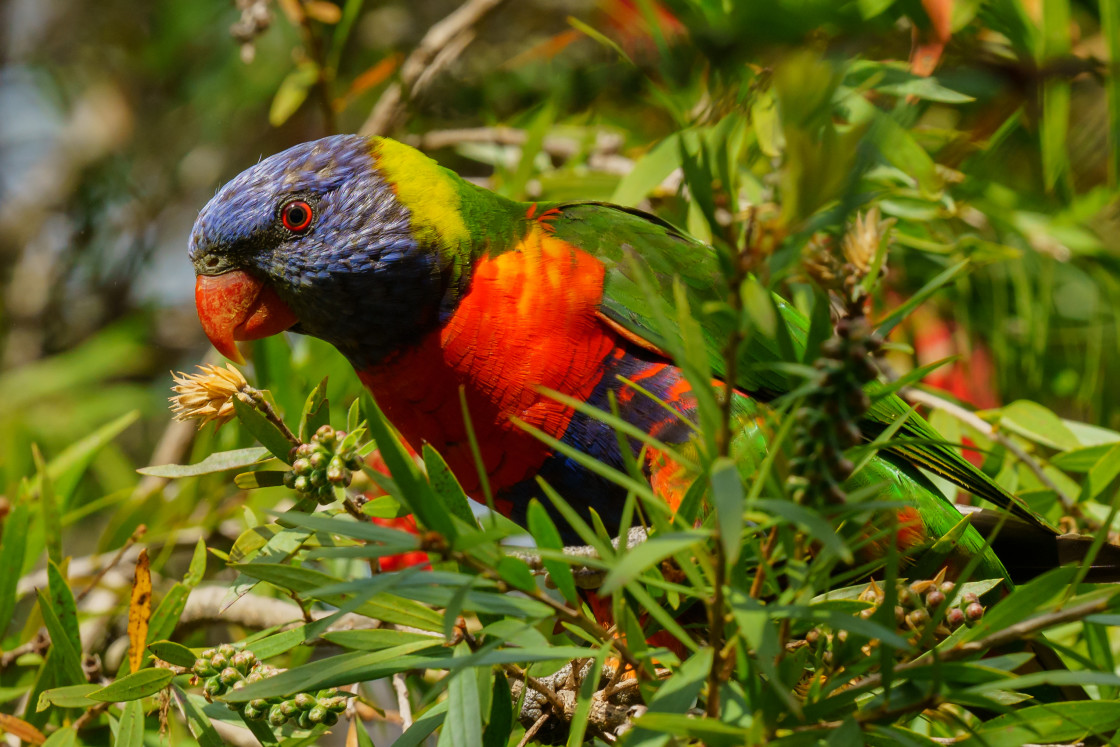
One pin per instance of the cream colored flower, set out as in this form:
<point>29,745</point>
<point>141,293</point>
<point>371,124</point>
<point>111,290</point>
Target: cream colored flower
<point>861,242</point>
<point>207,396</point>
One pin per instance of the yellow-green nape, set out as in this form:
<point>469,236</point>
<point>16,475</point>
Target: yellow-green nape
<point>424,187</point>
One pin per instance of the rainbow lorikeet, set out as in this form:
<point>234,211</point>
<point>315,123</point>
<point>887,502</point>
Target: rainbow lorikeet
<point>429,284</point>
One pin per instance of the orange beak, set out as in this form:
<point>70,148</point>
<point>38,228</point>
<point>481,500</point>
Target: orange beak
<point>237,306</point>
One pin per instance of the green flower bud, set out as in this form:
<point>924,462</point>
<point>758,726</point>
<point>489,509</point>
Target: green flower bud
<point>213,686</point>
<point>276,717</point>
<point>243,660</point>
<point>330,719</point>
<point>202,668</point>
<point>229,676</point>
<point>317,714</point>
<point>304,701</point>
<point>252,712</point>
<point>303,485</point>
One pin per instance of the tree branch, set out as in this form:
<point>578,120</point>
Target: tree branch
<point>439,48</point>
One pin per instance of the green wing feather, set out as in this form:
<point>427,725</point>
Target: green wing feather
<point>641,250</point>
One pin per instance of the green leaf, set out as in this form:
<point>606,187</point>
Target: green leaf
<point>292,92</point>
<point>173,653</point>
<point>463,725</point>
<point>423,726</point>
<point>130,732</point>
<point>516,573</point>
<point>1102,474</point>
<point>166,617</point>
<point>263,430</point>
<point>729,500</point>
<point>13,547</point>
<point>901,312</point>
<point>134,686</point>
<point>340,670</point>
<point>71,696</point>
<point>197,569</point>
<point>67,658</point>
<point>345,526</point>
<point>1033,421</point>
<point>1057,722</point>
<point>895,79</point>
<point>1081,460</point>
<point>547,536</point>
<point>371,640</point>
<point>66,737</point>
<point>500,723</point>
<point>316,412</point>
<point>649,171</point>
<point>415,490</point>
<point>62,603</point>
<point>49,512</point>
<point>260,479</point>
<point>383,606</point>
<point>646,555</point>
<point>217,462</point>
<point>446,487</point>
<point>197,721</point>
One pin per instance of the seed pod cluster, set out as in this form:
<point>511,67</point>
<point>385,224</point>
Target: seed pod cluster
<point>827,422</point>
<point>225,668</point>
<point>328,461</point>
<point>917,606</point>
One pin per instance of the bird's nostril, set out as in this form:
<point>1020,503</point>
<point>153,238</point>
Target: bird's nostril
<point>211,262</point>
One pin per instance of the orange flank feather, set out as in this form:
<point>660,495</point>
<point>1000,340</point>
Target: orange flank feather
<point>528,322</point>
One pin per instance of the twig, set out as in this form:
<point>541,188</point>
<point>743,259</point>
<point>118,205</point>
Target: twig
<point>1010,634</point>
<point>532,730</point>
<point>565,613</point>
<point>136,535</point>
<point>559,706</point>
<point>91,713</point>
<point>429,58</point>
<point>257,400</point>
<point>404,707</point>
<point>985,428</point>
<point>40,643</point>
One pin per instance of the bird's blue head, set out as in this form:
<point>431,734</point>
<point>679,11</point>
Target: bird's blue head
<point>315,239</point>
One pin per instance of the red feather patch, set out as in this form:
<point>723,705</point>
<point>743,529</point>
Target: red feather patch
<point>529,321</point>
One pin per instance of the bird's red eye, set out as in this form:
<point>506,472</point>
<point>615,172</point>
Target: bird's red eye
<point>296,216</point>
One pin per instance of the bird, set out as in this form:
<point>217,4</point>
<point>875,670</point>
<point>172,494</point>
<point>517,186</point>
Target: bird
<point>436,289</point>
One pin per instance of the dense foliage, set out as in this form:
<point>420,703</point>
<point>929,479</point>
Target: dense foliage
<point>962,203</point>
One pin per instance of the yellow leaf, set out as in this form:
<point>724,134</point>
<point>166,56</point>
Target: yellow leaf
<point>322,11</point>
<point>139,611</point>
<point>17,727</point>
